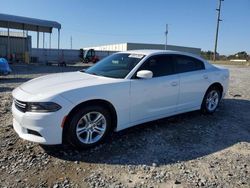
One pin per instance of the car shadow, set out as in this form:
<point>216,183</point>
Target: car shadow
<point>180,138</point>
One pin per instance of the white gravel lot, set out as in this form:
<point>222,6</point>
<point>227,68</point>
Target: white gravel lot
<point>189,150</point>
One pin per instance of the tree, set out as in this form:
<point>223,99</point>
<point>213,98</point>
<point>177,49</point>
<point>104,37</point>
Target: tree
<point>208,54</point>
<point>239,55</point>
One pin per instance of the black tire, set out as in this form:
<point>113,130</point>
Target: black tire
<point>204,106</point>
<point>71,134</point>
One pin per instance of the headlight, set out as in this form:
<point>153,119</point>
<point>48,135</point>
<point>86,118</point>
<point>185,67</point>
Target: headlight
<point>42,107</point>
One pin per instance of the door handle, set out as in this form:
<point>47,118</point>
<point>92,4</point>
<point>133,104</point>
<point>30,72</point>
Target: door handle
<point>174,84</point>
<point>205,76</point>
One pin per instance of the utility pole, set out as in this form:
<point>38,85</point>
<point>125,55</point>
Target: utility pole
<point>166,33</point>
<point>71,42</point>
<point>217,29</point>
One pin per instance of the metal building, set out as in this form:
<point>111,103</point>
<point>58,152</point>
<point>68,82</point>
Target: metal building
<point>137,46</point>
<point>18,43</point>
<point>12,46</point>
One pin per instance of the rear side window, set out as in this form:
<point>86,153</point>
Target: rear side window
<point>160,65</point>
<point>187,64</point>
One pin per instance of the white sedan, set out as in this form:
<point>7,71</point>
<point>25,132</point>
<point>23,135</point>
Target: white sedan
<point>120,91</point>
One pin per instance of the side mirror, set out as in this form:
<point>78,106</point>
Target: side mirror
<point>144,74</point>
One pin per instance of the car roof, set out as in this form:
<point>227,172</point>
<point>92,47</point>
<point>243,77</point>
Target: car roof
<point>149,52</point>
<point>146,52</point>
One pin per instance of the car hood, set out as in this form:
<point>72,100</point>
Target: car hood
<point>61,82</point>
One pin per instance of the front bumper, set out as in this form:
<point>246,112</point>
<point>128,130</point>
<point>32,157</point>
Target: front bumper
<point>43,128</point>
<point>46,126</point>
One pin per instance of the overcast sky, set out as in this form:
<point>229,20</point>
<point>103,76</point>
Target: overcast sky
<point>95,22</point>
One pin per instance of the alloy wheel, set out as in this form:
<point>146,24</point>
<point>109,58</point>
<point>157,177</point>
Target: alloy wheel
<point>91,127</point>
<point>212,100</point>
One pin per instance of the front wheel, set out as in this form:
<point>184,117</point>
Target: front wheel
<point>89,126</point>
<point>211,100</point>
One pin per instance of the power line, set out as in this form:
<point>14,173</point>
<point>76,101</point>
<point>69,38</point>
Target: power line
<point>217,29</point>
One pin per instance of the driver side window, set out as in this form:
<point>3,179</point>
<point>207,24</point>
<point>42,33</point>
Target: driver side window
<point>160,65</point>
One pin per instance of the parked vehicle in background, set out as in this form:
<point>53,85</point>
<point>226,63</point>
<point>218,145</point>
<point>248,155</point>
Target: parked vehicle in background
<point>93,56</point>
<point>90,56</point>
<point>120,91</point>
<point>4,67</point>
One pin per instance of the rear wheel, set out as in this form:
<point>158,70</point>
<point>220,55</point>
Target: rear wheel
<point>211,100</point>
<point>89,126</point>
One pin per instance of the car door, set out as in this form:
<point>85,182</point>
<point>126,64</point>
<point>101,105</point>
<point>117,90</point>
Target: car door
<point>194,82</point>
<point>155,97</point>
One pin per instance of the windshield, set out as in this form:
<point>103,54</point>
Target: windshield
<point>115,66</point>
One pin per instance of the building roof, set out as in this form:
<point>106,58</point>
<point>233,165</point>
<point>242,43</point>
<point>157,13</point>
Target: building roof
<point>31,24</point>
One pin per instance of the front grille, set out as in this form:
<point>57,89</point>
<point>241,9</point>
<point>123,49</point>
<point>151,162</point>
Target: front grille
<point>20,105</point>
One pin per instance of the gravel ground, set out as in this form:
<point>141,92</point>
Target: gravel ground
<point>189,150</point>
